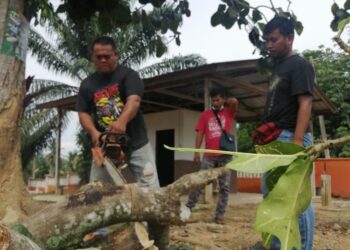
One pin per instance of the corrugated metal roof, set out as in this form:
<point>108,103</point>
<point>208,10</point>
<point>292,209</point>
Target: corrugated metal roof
<point>186,89</point>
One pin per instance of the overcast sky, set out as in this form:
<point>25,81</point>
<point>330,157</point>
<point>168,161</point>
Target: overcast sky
<point>218,44</point>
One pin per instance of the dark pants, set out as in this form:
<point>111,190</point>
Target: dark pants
<point>209,162</point>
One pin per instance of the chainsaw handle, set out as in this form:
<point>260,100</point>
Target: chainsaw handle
<point>108,135</point>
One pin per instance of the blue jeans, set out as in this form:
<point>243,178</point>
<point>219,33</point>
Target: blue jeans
<point>209,162</point>
<point>141,163</point>
<point>307,218</point>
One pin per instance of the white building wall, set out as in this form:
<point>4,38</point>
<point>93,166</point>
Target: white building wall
<point>188,133</point>
<point>182,121</point>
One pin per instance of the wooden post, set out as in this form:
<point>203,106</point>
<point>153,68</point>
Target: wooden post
<point>323,134</point>
<point>208,190</point>
<point>58,151</point>
<point>313,177</point>
<point>234,177</point>
<point>326,190</point>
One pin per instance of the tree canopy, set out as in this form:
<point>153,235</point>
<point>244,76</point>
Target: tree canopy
<point>332,72</point>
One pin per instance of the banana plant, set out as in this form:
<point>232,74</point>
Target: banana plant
<point>289,166</point>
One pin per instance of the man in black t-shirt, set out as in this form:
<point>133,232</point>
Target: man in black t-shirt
<point>289,99</point>
<point>110,99</point>
<point>289,104</point>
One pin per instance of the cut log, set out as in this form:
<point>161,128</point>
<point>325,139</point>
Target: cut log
<point>10,239</point>
<point>64,224</point>
<point>122,236</point>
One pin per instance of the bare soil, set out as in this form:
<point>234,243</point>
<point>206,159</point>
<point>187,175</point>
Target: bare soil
<point>332,229</point>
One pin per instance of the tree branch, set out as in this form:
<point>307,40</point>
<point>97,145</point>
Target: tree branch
<point>63,224</point>
<point>318,148</point>
<point>342,44</point>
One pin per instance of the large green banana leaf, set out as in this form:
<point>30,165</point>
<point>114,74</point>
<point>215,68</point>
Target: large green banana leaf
<point>248,162</point>
<point>290,195</point>
<point>278,213</point>
<point>277,147</point>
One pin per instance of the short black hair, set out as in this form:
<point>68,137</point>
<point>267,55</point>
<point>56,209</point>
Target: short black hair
<point>217,92</point>
<point>285,26</point>
<point>105,40</point>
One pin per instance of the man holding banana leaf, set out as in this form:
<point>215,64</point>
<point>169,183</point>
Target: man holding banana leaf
<point>288,106</point>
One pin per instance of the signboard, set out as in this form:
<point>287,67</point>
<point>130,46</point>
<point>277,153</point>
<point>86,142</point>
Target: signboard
<point>15,40</point>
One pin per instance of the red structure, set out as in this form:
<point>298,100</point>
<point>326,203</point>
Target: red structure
<point>337,168</point>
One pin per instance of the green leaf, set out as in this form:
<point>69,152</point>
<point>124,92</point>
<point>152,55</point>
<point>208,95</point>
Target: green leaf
<point>161,48</point>
<point>342,14</point>
<point>278,213</point>
<point>256,16</point>
<point>157,3</point>
<point>178,41</point>
<point>334,8</point>
<point>262,26</point>
<point>144,1</point>
<point>277,147</point>
<point>215,19</point>
<point>254,36</point>
<point>62,8</point>
<point>244,12</point>
<point>221,8</point>
<point>227,21</point>
<point>247,162</point>
<point>299,27</point>
<point>334,24</point>
<point>233,12</point>
<point>347,5</point>
<point>343,23</point>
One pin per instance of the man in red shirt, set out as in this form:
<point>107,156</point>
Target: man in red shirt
<point>209,128</point>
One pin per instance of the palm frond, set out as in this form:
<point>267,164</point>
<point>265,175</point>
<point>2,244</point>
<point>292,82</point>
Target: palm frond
<point>139,42</point>
<point>83,67</point>
<point>42,90</point>
<point>49,56</point>
<point>38,132</point>
<point>171,65</point>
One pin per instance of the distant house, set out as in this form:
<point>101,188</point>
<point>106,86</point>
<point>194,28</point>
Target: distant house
<point>69,183</point>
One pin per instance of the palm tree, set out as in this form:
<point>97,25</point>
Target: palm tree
<point>38,126</point>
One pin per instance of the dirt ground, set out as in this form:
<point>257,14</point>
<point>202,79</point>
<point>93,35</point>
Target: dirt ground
<point>332,229</point>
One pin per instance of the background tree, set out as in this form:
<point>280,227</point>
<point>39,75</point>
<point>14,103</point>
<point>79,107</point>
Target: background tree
<point>245,141</point>
<point>332,71</point>
<point>38,127</point>
<point>253,19</point>
<point>38,167</point>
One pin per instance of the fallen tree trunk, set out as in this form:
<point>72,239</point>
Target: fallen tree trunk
<point>10,239</point>
<point>123,236</point>
<point>64,224</point>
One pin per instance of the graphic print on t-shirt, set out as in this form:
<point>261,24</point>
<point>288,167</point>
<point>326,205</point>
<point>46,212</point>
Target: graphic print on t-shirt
<point>214,128</point>
<point>108,105</point>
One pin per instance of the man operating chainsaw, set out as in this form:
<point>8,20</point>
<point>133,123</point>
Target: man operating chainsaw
<point>109,108</point>
<point>109,100</point>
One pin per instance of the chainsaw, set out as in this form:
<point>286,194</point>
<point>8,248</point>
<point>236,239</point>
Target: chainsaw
<point>110,153</point>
